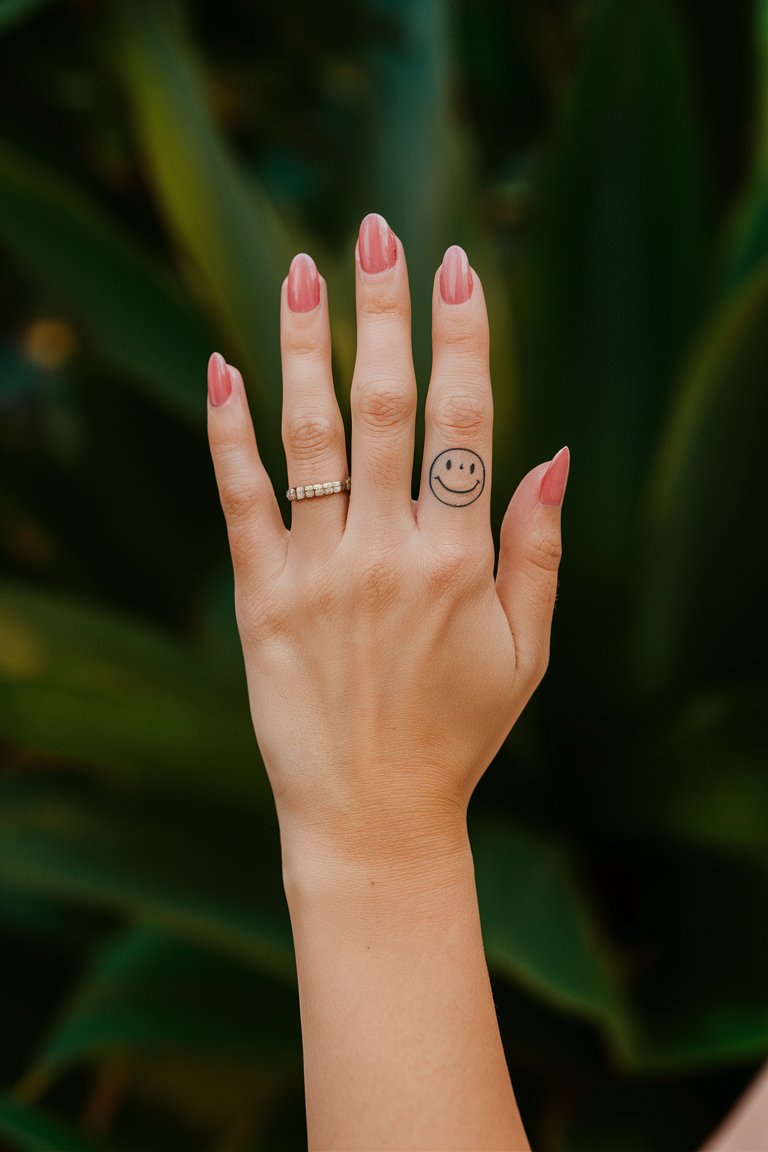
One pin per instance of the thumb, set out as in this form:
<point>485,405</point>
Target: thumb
<point>529,557</point>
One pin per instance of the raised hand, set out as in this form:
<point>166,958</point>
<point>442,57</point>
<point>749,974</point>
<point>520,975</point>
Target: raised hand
<point>385,664</point>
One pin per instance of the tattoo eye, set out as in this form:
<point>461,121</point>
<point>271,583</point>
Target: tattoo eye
<point>471,469</point>
<point>448,464</point>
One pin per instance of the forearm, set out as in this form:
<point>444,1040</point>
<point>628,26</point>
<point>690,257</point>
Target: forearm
<point>401,1042</point>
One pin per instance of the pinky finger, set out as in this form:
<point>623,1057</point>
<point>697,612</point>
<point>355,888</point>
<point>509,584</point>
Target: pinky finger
<point>258,539</point>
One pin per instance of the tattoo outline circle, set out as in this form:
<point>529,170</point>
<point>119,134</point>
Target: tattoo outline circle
<point>464,462</point>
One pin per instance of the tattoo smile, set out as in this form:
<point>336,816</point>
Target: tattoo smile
<point>457,491</point>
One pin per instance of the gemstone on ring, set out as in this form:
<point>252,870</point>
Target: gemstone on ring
<point>327,488</point>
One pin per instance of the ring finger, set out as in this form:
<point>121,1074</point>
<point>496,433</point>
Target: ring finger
<point>312,425</point>
<point>454,499</point>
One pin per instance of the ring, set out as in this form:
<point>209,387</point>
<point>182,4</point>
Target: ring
<point>305,491</point>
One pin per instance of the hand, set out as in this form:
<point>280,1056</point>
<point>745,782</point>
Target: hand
<point>385,664</point>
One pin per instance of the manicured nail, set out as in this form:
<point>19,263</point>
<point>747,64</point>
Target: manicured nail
<point>219,382</point>
<point>303,284</point>
<point>377,244</point>
<point>455,276</point>
<point>552,488</point>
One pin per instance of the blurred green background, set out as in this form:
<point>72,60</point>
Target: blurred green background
<point>606,166</point>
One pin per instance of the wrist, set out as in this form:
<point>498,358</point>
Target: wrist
<point>403,858</point>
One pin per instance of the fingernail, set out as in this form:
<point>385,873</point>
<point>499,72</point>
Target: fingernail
<point>377,244</point>
<point>219,382</point>
<point>552,488</point>
<point>303,284</point>
<point>455,276</point>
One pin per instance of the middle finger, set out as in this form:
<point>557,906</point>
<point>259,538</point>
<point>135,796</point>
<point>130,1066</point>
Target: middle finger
<point>383,396</point>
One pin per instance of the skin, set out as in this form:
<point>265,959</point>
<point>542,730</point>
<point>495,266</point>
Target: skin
<point>385,666</point>
<point>746,1128</point>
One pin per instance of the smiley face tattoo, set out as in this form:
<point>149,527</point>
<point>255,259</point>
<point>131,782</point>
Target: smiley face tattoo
<point>457,477</point>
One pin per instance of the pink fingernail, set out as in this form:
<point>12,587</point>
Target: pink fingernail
<point>377,244</point>
<point>552,488</point>
<point>219,382</point>
<point>455,276</point>
<point>303,284</point>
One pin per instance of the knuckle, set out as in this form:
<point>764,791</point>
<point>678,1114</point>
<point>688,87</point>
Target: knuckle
<point>451,571</point>
<point>229,445</point>
<point>304,345</point>
<point>377,583</point>
<point>469,339</point>
<point>253,625</point>
<point>319,601</point>
<point>260,618</point>
<point>319,597</point>
<point>308,436</point>
<point>545,552</point>
<point>384,403</point>
<point>463,412</point>
<point>240,502</point>
<point>383,302</point>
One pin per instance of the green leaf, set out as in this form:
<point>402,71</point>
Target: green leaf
<point>704,545</point>
<point>31,1131</point>
<point>80,683</point>
<point>539,1038</point>
<point>223,222</point>
<point>225,1103</point>
<point>208,873</point>
<point>414,134</point>
<point>747,238</point>
<point>612,288</point>
<point>130,308</point>
<point>149,993</point>
<point>55,925</point>
<point>538,927</point>
<point>616,1115</point>
<point>711,1033</point>
<point>701,1001</point>
<point>414,127</point>
<point>12,11</point>
<point>689,807</point>
<point>701,778</point>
